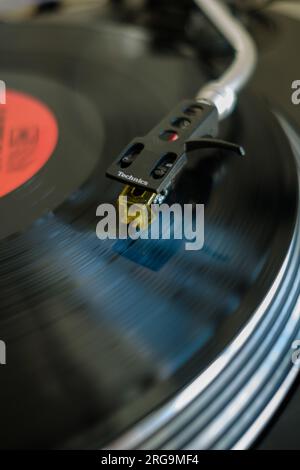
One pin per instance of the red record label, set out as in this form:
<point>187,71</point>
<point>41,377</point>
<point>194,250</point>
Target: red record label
<point>28,137</point>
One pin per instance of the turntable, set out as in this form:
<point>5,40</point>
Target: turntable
<point>142,344</point>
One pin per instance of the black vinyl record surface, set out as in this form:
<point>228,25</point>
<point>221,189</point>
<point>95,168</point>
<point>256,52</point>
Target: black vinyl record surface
<point>100,333</point>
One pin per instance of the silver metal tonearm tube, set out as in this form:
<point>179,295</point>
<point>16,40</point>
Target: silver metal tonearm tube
<point>223,92</point>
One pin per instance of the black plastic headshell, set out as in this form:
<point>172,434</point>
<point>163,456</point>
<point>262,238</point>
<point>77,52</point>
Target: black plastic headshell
<point>154,161</point>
